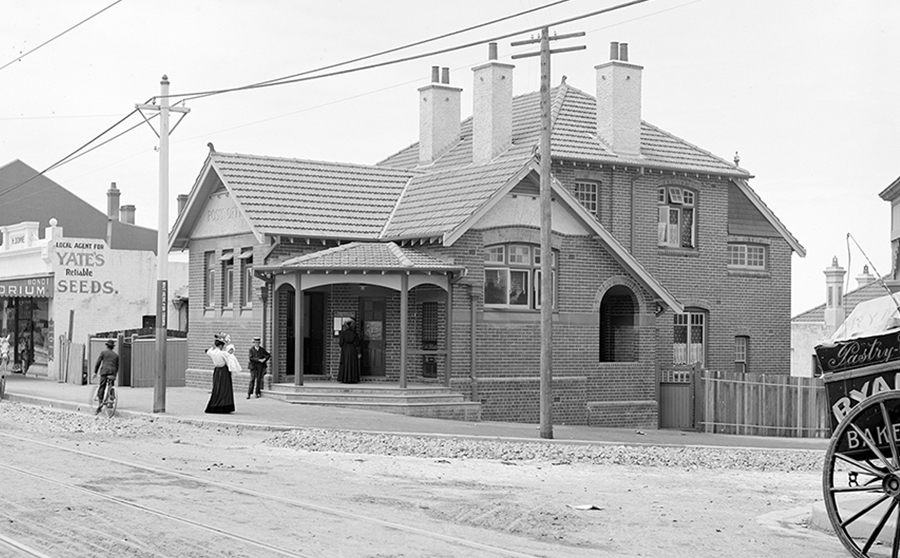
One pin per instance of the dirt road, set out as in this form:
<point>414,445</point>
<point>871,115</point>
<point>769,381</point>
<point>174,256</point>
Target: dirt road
<point>223,491</point>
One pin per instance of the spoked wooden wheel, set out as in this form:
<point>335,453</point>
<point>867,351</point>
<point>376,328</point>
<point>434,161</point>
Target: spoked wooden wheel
<point>861,478</point>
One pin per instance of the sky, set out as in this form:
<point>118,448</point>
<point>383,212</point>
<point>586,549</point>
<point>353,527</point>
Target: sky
<point>805,91</point>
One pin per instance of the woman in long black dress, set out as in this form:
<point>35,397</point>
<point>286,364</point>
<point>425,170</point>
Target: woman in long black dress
<point>350,356</point>
<point>221,400</point>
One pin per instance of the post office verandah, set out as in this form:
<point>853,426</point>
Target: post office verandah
<point>400,297</point>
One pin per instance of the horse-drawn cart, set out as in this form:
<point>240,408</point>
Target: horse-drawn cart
<point>861,477</point>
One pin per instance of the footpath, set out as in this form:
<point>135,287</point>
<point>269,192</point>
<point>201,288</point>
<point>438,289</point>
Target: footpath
<point>188,404</point>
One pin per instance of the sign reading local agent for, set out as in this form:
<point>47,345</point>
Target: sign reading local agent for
<point>79,267</point>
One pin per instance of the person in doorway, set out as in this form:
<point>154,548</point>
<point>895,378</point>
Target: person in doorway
<point>221,400</point>
<point>348,373</point>
<point>108,367</point>
<point>259,356</point>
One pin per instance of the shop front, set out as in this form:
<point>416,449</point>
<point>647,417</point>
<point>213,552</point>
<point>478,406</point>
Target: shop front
<point>26,310</point>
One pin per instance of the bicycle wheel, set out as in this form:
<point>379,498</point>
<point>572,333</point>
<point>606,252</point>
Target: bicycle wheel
<point>111,400</point>
<point>93,401</point>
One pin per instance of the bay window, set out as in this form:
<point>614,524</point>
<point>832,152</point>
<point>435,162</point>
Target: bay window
<point>512,276</point>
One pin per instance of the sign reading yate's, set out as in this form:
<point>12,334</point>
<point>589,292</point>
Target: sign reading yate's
<point>29,287</point>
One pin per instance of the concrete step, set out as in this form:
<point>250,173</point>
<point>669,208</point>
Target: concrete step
<point>325,388</point>
<point>418,401</point>
<point>456,411</point>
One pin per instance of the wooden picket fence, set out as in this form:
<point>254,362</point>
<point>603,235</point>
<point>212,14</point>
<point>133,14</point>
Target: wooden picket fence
<point>763,405</point>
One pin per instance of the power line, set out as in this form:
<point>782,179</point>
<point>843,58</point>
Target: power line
<point>282,81</point>
<point>275,81</point>
<point>190,96</point>
<point>271,83</point>
<point>74,154</point>
<point>19,58</point>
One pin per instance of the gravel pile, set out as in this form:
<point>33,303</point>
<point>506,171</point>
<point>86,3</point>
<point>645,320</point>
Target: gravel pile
<point>557,453</point>
<point>53,421</point>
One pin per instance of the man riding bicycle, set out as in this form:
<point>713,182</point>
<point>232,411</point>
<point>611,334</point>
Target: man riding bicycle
<point>108,366</point>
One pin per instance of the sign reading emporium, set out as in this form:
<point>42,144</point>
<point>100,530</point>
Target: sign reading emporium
<point>30,287</point>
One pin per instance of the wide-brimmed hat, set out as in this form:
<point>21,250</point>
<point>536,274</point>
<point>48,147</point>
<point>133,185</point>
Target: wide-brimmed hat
<point>257,339</point>
<point>110,343</point>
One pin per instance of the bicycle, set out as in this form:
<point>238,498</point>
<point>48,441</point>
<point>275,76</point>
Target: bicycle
<point>110,398</point>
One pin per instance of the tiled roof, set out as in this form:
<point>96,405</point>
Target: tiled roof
<point>312,198</point>
<point>440,201</point>
<point>852,299</point>
<point>574,136</point>
<point>368,256</point>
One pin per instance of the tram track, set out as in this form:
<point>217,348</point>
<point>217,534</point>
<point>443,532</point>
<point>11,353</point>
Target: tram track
<point>198,483</point>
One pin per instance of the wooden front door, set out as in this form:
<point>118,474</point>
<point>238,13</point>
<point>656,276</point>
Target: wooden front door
<point>371,330</point>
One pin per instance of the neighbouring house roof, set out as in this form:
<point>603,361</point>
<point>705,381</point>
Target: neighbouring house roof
<point>852,299</point>
<point>574,137</point>
<point>892,191</point>
<point>28,195</point>
<point>365,256</point>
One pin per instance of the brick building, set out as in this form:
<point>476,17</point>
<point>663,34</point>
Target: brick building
<point>663,257</point>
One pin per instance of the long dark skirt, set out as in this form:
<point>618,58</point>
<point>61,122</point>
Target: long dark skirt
<point>222,398</point>
<point>348,373</point>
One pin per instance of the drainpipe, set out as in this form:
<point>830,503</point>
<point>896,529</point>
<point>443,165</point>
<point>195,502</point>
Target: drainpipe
<point>473,299</point>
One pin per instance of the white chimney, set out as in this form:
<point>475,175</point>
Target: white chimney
<point>127,214</point>
<point>864,278</point>
<point>112,210</point>
<point>112,202</point>
<point>491,108</point>
<point>834,297</point>
<point>619,102</point>
<point>439,112</point>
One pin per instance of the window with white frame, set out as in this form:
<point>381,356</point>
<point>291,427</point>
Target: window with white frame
<point>741,346</point>
<point>209,284</point>
<point>247,278</point>
<point>689,341</point>
<point>677,217</point>
<point>512,276</point>
<point>747,256</point>
<point>227,260</point>
<point>586,194</point>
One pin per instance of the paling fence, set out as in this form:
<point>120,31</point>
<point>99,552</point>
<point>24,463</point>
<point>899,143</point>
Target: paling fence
<point>763,405</point>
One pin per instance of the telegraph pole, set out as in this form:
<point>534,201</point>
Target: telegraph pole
<point>162,238</point>
<point>546,403</point>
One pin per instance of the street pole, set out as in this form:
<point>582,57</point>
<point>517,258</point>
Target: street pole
<point>546,378</point>
<point>162,251</point>
<point>162,242</point>
<point>546,248</point>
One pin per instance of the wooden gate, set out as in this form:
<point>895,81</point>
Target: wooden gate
<point>676,399</point>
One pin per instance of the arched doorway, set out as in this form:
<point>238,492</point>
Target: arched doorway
<point>618,320</point>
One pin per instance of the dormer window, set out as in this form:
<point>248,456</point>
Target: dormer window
<point>677,217</point>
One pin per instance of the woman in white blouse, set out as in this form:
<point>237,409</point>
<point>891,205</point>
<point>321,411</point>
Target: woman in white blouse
<point>221,400</point>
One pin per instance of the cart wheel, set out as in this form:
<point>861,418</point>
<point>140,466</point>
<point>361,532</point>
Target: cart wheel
<point>111,402</point>
<point>861,478</point>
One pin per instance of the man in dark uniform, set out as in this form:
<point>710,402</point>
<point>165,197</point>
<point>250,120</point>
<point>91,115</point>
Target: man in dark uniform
<point>108,366</point>
<point>259,356</point>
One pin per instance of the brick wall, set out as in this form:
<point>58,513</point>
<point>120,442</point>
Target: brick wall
<point>736,303</point>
